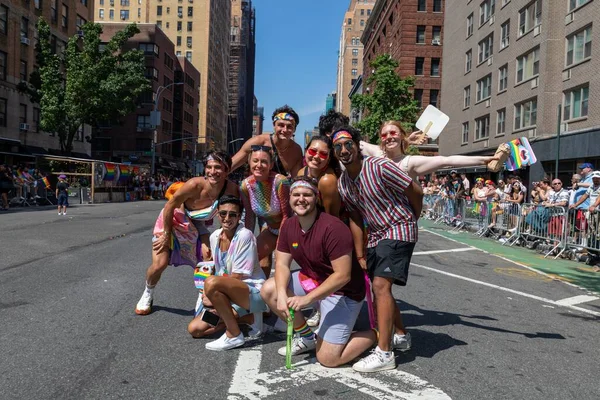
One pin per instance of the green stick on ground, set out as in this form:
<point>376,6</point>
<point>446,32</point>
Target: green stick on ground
<point>288,345</point>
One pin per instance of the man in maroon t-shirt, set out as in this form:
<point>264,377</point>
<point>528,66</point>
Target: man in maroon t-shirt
<point>329,273</point>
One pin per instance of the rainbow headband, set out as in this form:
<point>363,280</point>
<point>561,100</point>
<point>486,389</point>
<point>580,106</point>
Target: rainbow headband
<point>341,135</point>
<point>284,116</point>
<point>304,184</point>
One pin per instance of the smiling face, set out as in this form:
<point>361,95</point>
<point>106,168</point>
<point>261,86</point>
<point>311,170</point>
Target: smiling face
<point>229,216</point>
<point>346,151</point>
<point>260,164</point>
<point>215,172</point>
<point>284,129</point>
<point>391,137</point>
<point>317,155</point>
<point>303,201</point>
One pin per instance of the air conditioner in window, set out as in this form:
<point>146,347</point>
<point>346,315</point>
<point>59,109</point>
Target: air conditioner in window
<point>25,40</point>
<point>564,127</point>
<point>180,15</point>
<point>566,75</point>
<point>504,43</point>
<point>123,18</point>
<point>189,45</point>
<point>436,42</point>
<point>569,18</point>
<point>23,127</point>
<point>490,60</point>
<point>488,103</point>
<point>537,30</point>
<point>531,133</point>
<point>486,143</point>
<point>535,82</point>
<point>492,18</point>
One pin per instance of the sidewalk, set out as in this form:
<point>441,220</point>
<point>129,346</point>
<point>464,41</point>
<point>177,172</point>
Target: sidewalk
<point>568,271</point>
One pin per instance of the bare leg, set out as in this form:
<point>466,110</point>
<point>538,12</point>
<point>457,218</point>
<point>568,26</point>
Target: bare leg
<point>386,308</point>
<point>266,243</point>
<point>155,270</point>
<point>269,294</point>
<point>333,355</point>
<point>222,291</point>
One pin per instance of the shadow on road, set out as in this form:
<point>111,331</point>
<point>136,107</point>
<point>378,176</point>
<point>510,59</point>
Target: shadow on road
<point>178,311</point>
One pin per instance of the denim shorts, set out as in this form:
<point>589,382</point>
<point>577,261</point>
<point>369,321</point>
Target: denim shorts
<point>63,200</point>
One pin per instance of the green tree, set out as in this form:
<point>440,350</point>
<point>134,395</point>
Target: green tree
<point>389,98</point>
<point>86,84</point>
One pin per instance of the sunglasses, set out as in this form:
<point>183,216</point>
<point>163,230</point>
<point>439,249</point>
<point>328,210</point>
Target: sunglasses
<point>323,155</point>
<point>556,183</point>
<point>348,145</point>
<point>384,135</point>
<point>257,147</point>
<point>231,214</point>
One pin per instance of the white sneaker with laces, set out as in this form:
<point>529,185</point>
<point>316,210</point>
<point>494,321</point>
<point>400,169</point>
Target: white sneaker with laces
<point>144,306</point>
<point>402,342</point>
<point>226,343</point>
<point>300,346</point>
<point>59,213</point>
<point>378,360</point>
<point>314,319</point>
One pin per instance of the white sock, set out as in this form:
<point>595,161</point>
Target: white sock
<point>149,288</point>
<point>387,353</point>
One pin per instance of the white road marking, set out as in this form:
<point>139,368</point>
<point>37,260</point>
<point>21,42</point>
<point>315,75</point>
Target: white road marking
<point>422,253</point>
<point>249,383</point>
<point>571,301</point>
<point>523,294</point>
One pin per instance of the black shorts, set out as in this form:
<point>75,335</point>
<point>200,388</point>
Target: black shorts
<point>390,259</point>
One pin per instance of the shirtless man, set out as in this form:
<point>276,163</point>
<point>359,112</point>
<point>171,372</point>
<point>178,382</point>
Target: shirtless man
<point>287,153</point>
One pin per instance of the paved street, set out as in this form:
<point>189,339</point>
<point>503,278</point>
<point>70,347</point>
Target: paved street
<point>483,327</point>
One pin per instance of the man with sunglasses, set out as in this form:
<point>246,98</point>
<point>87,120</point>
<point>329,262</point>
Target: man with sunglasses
<point>287,153</point>
<point>237,281</point>
<point>390,203</point>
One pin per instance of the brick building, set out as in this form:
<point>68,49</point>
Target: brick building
<point>20,135</point>
<point>512,66</point>
<point>411,32</point>
<point>131,138</point>
<point>350,58</point>
<point>258,117</point>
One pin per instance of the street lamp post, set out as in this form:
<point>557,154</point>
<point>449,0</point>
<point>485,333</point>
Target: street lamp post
<point>155,120</point>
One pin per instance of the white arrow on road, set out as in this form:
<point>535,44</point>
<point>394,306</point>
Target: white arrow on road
<point>250,384</point>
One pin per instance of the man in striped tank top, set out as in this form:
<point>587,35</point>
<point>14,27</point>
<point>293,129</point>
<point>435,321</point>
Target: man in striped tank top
<point>389,202</point>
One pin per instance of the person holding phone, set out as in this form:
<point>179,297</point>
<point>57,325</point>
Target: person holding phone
<point>234,291</point>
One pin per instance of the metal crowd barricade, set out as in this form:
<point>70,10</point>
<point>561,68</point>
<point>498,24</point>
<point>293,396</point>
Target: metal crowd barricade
<point>505,217</point>
<point>544,223</point>
<point>583,231</point>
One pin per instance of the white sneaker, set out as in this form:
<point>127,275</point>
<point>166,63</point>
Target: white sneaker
<point>226,343</point>
<point>59,213</point>
<point>300,346</point>
<point>314,319</point>
<point>376,361</point>
<point>144,306</point>
<point>402,342</point>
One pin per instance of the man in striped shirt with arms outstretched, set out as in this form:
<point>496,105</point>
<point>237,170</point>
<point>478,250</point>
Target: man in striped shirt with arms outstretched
<point>389,201</point>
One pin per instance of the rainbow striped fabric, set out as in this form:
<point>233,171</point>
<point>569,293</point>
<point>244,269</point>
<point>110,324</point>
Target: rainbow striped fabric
<point>521,154</point>
<point>110,172</point>
<point>124,169</point>
<point>46,182</point>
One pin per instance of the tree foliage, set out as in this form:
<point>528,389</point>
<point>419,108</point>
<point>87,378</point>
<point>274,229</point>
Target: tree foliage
<point>86,84</point>
<point>389,98</point>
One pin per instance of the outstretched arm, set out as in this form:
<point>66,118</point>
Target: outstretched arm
<point>241,157</point>
<point>422,165</point>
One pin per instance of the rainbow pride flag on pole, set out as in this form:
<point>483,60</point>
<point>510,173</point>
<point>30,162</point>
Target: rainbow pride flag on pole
<point>124,169</point>
<point>46,182</point>
<point>521,154</point>
<point>110,172</point>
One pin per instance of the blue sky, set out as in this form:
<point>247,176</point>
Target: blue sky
<point>297,44</point>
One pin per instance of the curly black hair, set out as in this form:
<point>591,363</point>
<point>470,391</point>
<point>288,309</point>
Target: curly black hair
<point>356,136</point>
<point>331,121</point>
<point>289,110</point>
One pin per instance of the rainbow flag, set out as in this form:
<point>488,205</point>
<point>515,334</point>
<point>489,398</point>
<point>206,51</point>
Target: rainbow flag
<point>46,182</point>
<point>124,172</point>
<point>521,154</point>
<point>110,172</point>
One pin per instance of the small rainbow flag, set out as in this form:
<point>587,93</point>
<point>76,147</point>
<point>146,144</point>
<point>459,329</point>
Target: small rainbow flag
<point>124,172</point>
<point>521,154</point>
<point>46,182</point>
<point>110,172</point>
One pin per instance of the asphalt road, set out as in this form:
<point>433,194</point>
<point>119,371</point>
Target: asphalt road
<point>482,327</point>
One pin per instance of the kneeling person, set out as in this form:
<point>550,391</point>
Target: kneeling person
<point>329,274</point>
<point>237,281</point>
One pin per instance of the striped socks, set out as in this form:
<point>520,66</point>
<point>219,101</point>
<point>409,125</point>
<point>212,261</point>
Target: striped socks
<point>305,332</point>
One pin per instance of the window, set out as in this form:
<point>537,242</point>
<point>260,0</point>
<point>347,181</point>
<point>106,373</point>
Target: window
<point>2,112</point>
<point>579,46</point>
<point>484,88</point>
<point>178,40</point>
<point>167,105</point>
<point>419,66</point>
<point>526,114</point>
<point>190,11</point>
<point>355,61</point>
<point>501,122</point>
<point>189,26</point>
<point>354,52</point>
<point>504,34</point>
<point>467,97</point>
<point>188,41</point>
<point>22,113</point>
<point>54,10</point>
<point>188,56</point>
<point>101,13</point>
<point>80,21</point>
<point>124,15</point>
<point>530,17</point>
<point>434,95</point>
<point>435,67</point>
<point>437,33</point>
<point>528,65</point>
<point>468,61</point>
<point>482,127</point>
<point>573,4</point>
<point>419,97</point>
<point>159,24</point>
<point>111,14</point>
<point>503,78</point>
<point>149,49</point>
<point>36,119</point>
<point>4,27</point>
<point>465,133</point>
<point>421,33</point>
<point>486,48</point>
<point>368,12</point>
<point>152,73</point>
<point>486,10</point>
<point>179,26</point>
<point>23,71</point>
<point>575,103</point>
<point>180,11</point>
<point>159,10</point>
<point>349,21</point>
<point>65,16</point>
<point>139,12</point>
<point>362,11</point>
<point>437,5</point>
<point>37,4</point>
<point>178,53</point>
<point>421,6</point>
<point>362,22</point>
<point>354,72</point>
<point>3,62</point>
<point>24,27</point>
<point>125,3</point>
<point>470,25</point>
<point>168,62</point>
<point>101,2</point>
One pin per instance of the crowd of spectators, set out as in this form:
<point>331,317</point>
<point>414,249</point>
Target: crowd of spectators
<point>20,184</point>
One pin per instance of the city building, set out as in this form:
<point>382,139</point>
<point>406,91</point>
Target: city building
<point>412,33</point>
<point>309,134</point>
<point>201,32</point>
<point>330,101</point>
<point>130,139</point>
<point>522,68</point>
<point>241,74</point>
<point>20,134</point>
<point>350,58</point>
<point>357,88</point>
<point>258,118</point>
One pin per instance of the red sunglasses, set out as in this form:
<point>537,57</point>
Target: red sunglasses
<point>323,155</point>
<point>384,135</point>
